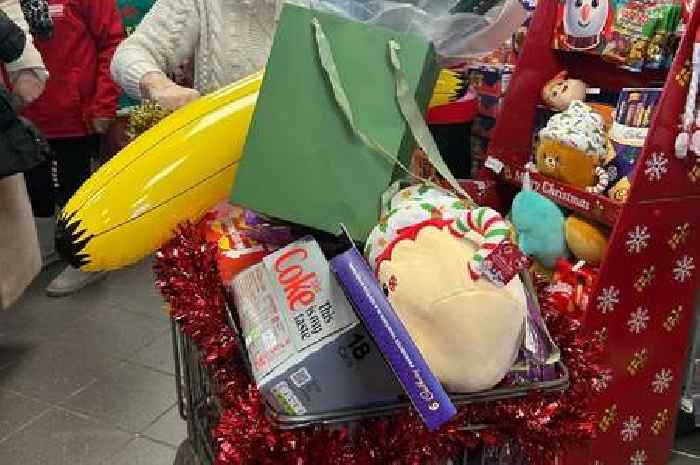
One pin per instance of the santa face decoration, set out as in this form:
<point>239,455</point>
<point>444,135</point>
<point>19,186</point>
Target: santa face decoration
<point>584,22</point>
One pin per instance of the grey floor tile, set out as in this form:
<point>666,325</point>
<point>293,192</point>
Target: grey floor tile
<point>37,318</point>
<point>144,452</point>
<point>54,371</point>
<point>130,397</point>
<point>17,332</point>
<point>113,332</point>
<point>15,352</point>
<point>34,320</point>
<point>132,289</point>
<point>683,459</point>
<point>17,411</point>
<point>73,352</point>
<point>62,438</point>
<point>689,443</point>
<point>169,428</point>
<point>157,355</point>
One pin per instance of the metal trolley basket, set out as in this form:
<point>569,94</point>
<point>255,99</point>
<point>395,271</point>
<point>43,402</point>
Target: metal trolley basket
<point>197,401</point>
<point>199,406</point>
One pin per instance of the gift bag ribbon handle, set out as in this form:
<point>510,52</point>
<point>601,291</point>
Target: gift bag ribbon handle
<point>407,104</point>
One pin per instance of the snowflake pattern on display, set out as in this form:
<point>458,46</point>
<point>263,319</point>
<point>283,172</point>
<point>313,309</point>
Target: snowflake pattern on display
<point>694,173</point>
<point>601,383</point>
<point>639,458</point>
<point>645,279</point>
<point>656,167</point>
<point>630,429</point>
<point>638,362</point>
<point>662,381</point>
<point>673,319</point>
<point>684,269</point>
<point>638,320</point>
<point>679,236</point>
<point>608,419</point>
<point>608,299</point>
<point>601,335</point>
<point>661,422</point>
<point>638,239</point>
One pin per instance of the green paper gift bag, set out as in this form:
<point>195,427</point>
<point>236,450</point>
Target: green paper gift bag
<point>303,161</point>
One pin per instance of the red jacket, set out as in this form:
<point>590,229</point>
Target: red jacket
<point>78,56</point>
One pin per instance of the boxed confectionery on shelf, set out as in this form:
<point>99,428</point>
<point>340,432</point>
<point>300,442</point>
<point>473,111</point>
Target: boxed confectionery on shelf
<point>642,296</point>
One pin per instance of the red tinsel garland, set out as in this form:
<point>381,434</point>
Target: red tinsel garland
<point>541,424</point>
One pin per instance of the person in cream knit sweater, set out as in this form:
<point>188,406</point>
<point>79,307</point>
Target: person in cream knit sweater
<point>226,39</point>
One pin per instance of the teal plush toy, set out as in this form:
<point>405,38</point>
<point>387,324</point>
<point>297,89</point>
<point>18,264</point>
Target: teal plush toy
<point>540,227</point>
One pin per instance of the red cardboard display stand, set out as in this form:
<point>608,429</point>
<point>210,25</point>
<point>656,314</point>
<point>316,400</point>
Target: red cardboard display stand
<point>644,302</point>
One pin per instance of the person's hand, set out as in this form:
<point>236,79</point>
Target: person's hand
<point>27,86</point>
<point>101,125</point>
<point>167,94</point>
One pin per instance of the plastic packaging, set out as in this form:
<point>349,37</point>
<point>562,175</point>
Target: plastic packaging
<point>456,36</point>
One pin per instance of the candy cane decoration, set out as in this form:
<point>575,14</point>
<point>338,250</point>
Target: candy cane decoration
<point>490,225</point>
<point>603,181</point>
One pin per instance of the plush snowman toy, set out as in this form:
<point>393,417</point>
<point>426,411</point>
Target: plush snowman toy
<point>584,22</point>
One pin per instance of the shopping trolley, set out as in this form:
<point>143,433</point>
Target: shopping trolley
<point>197,401</point>
<point>199,406</point>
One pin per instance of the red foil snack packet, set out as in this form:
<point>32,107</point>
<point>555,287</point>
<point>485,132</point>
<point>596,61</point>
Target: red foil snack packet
<point>572,287</point>
<point>242,237</point>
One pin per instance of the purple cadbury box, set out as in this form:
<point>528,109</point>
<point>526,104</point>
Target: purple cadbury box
<point>391,337</point>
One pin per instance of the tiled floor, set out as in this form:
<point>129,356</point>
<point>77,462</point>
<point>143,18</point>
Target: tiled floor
<point>88,380</point>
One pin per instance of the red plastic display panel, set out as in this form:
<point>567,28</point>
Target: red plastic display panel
<point>646,295</point>
<point>644,306</point>
<point>593,206</point>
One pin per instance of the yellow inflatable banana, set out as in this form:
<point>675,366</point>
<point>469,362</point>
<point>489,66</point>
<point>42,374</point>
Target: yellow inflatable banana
<point>174,172</point>
<point>450,87</point>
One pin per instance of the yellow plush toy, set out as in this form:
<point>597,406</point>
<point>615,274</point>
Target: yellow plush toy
<point>586,240</point>
<point>572,146</point>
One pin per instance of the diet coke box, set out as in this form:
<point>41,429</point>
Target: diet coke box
<point>308,351</point>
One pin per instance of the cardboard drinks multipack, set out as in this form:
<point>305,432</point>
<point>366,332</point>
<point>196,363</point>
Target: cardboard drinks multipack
<point>308,351</point>
<point>314,360</point>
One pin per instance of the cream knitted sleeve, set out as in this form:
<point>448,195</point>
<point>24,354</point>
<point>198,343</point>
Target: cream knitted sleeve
<point>166,37</point>
<point>30,59</point>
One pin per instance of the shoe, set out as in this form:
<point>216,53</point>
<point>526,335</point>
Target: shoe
<point>72,280</point>
<point>46,230</point>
